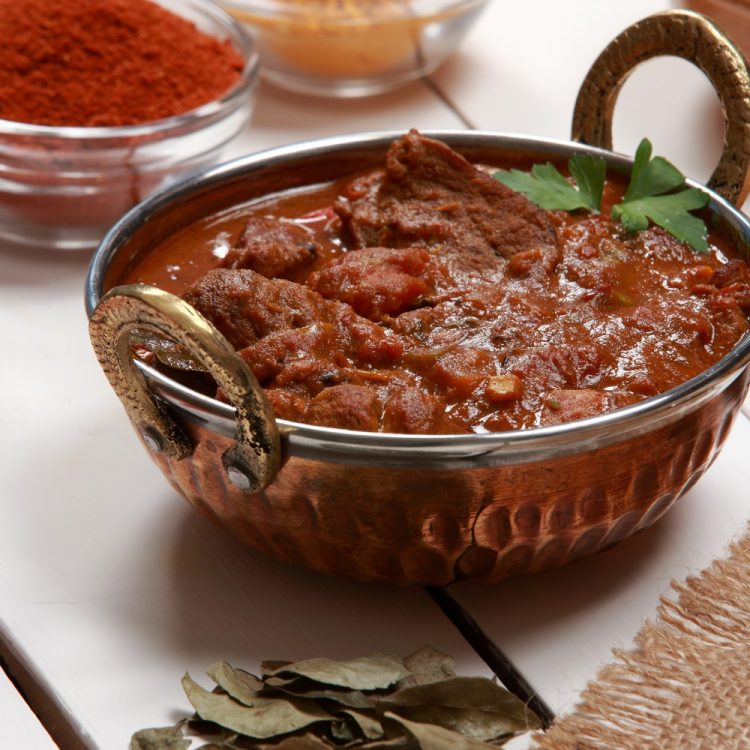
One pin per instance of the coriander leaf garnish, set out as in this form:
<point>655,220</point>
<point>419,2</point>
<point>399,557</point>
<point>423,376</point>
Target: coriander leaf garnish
<point>589,173</point>
<point>651,176</point>
<point>546,187</point>
<point>670,212</point>
<point>647,198</point>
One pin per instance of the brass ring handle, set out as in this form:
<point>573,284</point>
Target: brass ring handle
<point>693,37</point>
<point>253,462</point>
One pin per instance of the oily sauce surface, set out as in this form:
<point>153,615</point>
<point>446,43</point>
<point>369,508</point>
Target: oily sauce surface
<point>427,298</point>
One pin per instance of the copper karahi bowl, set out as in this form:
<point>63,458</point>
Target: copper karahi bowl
<point>412,509</point>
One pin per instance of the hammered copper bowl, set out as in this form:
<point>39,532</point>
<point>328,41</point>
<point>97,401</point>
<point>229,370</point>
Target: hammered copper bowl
<point>403,508</point>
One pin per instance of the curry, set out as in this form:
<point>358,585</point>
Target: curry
<point>427,297</point>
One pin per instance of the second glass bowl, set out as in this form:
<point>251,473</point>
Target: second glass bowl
<point>353,47</point>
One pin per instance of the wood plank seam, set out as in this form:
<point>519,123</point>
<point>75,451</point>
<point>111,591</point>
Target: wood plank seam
<point>445,99</point>
<point>507,672</point>
<point>51,712</point>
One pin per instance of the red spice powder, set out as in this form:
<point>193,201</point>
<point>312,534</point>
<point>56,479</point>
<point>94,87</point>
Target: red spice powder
<point>106,62</point>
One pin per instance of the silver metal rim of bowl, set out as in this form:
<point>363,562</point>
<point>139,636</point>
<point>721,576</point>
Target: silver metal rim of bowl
<point>423,451</point>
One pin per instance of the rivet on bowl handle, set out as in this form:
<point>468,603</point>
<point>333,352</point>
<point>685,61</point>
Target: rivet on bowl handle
<point>253,462</point>
<point>679,33</point>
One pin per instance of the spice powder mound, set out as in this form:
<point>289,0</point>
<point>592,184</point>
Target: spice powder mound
<point>106,63</point>
<point>344,38</point>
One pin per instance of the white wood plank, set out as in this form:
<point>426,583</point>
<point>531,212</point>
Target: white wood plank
<point>559,627</point>
<point>19,726</point>
<point>520,69</point>
<point>282,117</point>
<point>110,585</point>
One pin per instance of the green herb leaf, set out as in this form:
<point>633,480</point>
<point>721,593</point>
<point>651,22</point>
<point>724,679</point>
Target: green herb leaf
<point>546,187</point>
<point>651,176</point>
<point>589,173</point>
<point>670,212</point>
<point>648,198</point>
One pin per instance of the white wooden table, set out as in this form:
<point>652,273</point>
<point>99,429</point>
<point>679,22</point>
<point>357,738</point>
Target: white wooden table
<point>19,727</point>
<point>111,586</point>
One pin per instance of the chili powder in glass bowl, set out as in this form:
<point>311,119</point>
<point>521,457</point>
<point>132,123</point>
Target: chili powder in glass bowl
<point>104,101</point>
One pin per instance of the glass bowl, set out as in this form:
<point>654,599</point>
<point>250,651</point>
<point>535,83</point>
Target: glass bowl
<point>356,47</point>
<point>63,187</point>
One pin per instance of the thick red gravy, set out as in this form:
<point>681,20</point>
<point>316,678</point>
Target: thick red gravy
<point>427,298</point>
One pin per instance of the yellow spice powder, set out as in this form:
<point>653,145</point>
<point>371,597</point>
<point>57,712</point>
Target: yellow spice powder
<point>352,38</point>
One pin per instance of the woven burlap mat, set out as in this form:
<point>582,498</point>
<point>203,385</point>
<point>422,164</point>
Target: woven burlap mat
<point>686,684</point>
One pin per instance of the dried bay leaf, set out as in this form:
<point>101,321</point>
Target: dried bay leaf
<point>343,733</point>
<point>401,742</point>
<point>242,686</point>
<point>271,666</point>
<point>231,742</point>
<point>428,665</point>
<point>302,687</point>
<point>348,698</point>
<point>375,703</point>
<point>280,682</point>
<point>305,742</point>
<point>219,734</point>
<point>376,672</point>
<point>404,742</point>
<point>160,738</point>
<point>268,717</point>
<point>432,737</point>
<point>472,706</point>
<point>369,726</point>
